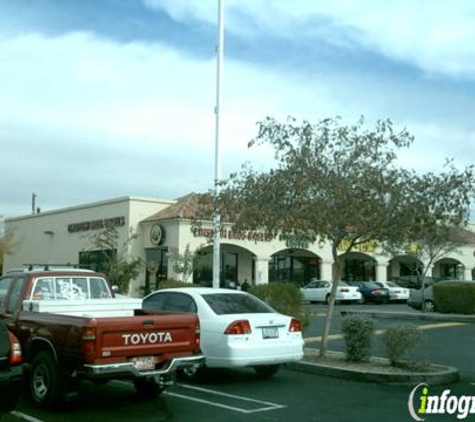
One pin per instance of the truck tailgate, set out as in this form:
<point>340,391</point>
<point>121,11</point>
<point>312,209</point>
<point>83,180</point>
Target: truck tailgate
<point>122,339</point>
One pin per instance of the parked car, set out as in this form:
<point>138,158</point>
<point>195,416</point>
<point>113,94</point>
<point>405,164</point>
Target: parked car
<point>415,299</point>
<point>396,293</point>
<point>428,304</point>
<point>11,384</point>
<point>371,291</point>
<point>237,329</point>
<point>413,282</point>
<point>319,291</point>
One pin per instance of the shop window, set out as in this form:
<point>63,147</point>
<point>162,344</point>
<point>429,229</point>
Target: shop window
<point>96,260</point>
<point>293,269</point>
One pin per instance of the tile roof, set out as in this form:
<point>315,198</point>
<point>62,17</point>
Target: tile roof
<point>189,206</point>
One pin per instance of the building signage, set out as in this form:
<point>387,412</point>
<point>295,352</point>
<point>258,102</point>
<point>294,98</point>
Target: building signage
<point>249,235</point>
<point>96,224</point>
<point>368,247</point>
<point>297,240</point>
<point>157,234</point>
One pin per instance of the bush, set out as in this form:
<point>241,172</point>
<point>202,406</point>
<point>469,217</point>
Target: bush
<point>398,340</point>
<point>357,332</point>
<point>169,284</point>
<point>285,298</point>
<point>455,297</point>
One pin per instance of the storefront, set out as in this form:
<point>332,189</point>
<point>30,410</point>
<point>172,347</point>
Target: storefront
<point>173,245</point>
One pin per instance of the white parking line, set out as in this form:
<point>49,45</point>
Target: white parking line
<point>25,417</point>
<point>266,405</point>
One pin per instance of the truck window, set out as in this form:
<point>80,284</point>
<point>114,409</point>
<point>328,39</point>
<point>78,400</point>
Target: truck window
<point>79,288</point>
<point>70,289</point>
<point>43,289</point>
<point>98,288</point>
<point>5,283</point>
<point>15,296</point>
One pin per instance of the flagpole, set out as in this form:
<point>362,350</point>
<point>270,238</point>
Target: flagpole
<point>217,156</point>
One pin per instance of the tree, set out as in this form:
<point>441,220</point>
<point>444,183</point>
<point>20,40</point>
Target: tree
<point>121,268</point>
<point>338,182</point>
<point>183,263</point>
<point>6,242</point>
<point>186,263</point>
<point>432,224</point>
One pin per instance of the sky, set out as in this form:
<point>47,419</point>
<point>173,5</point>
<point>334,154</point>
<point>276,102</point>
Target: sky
<point>102,99</point>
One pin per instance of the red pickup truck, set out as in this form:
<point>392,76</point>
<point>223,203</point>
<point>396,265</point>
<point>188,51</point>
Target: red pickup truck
<point>71,327</point>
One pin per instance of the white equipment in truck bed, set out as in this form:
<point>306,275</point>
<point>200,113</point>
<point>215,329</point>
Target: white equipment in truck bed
<point>92,308</point>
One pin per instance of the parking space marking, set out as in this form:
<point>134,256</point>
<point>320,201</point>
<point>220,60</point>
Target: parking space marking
<point>265,406</point>
<point>25,416</point>
<point>379,332</point>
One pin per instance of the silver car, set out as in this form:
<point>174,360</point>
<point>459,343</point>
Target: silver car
<point>415,298</point>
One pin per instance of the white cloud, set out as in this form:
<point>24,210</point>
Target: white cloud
<point>436,36</point>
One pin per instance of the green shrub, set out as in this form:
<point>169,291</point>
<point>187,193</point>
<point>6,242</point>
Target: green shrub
<point>399,340</point>
<point>285,298</point>
<point>357,331</point>
<point>455,297</point>
<point>169,284</point>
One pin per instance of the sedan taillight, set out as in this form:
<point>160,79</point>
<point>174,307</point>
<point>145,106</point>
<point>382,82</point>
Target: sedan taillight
<point>239,327</point>
<point>295,325</point>
<point>15,350</point>
<point>197,334</point>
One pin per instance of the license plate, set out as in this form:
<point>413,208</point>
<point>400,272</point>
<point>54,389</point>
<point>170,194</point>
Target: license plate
<point>144,362</point>
<point>270,332</point>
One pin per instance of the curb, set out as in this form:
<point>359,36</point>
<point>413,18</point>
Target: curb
<point>442,375</point>
<point>414,316</point>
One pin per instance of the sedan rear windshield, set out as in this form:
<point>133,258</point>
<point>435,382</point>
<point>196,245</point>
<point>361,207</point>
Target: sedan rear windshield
<point>234,303</point>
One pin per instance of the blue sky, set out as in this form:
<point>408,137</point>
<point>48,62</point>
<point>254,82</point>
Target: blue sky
<point>107,98</point>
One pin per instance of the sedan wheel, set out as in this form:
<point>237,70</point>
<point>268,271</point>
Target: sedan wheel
<point>429,306</point>
<point>266,371</point>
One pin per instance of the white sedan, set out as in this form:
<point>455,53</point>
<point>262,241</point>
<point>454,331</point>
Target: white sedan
<point>395,292</point>
<point>237,329</point>
<point>319,291</point>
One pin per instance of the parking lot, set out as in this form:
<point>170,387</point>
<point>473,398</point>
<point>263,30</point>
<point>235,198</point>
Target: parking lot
<point>290,395</point>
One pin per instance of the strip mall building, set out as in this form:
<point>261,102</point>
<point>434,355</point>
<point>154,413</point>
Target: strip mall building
<point>167,228</point>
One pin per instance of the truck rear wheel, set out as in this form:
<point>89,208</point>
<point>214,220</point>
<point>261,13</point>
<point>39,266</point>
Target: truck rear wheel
<point>46,385</point>
<point>147,388</point>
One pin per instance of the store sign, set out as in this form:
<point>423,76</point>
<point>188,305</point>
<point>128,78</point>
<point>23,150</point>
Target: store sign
<point>157,234</point>
<point>297,240</point>
<point>96,224</point>
<point>367,247</point>
<point>248,235</point>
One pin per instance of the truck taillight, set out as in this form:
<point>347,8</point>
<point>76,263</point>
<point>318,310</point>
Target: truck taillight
<point>15,350</point>
<point>89,339</point>
<point>241,326</point>
<point>295,326</point>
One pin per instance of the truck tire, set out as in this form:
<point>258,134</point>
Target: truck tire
<point>266,371</point>
<point>147,388</point>
<point>46,386</point>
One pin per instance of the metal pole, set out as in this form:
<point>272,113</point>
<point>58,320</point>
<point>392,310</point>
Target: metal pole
<point>217,158</point>
<point>33,202</point>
